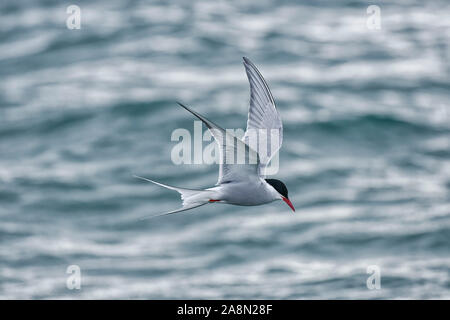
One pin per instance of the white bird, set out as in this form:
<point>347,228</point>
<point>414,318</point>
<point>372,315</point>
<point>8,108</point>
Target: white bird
<point>242,184</point>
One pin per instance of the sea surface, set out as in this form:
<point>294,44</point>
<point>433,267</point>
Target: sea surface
<point>366,151</point>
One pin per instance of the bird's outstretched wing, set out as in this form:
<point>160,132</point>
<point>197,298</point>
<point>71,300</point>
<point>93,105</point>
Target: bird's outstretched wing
<point>238,162</point>
<point>264,127</point>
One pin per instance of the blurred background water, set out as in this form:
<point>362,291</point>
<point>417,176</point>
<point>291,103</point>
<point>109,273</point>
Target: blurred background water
<point>366,153</point>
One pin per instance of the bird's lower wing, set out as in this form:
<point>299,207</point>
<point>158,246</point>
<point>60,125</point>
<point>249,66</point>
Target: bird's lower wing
<point>237,160</point>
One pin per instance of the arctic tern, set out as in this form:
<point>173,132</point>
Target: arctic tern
<point>242,183</point>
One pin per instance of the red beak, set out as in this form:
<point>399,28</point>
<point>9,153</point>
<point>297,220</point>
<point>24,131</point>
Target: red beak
<point>289,203</point>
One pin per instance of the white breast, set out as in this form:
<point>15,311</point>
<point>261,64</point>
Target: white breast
<point>248,193</point>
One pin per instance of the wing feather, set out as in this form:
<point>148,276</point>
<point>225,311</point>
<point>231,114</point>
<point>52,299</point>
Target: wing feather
<point>263,118</point>
<point>229,146</point>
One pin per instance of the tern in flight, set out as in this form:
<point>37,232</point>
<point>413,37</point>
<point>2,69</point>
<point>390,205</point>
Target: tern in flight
<point>242,183</point>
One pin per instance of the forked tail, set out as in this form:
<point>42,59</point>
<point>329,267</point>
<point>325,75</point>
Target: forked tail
<point>191,198</point>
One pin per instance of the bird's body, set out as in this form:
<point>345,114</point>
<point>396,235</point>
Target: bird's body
<point>237,192</point>
<point>243,183</point>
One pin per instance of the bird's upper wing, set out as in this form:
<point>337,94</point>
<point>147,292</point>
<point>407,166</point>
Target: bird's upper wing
<point>238,162</point>
<point>264,128</point>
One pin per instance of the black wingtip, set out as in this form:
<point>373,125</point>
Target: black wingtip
<point>246,60</point>
<point>191,111</point>
<point>183,106</point>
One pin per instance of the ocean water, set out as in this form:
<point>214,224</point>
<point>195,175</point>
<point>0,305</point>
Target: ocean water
<point>366,151</point>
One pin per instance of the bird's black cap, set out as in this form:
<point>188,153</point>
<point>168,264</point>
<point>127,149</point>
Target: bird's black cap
<point>279,186</point>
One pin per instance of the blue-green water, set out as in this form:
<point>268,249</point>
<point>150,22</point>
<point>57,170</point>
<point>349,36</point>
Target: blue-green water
<point>366,153</point>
